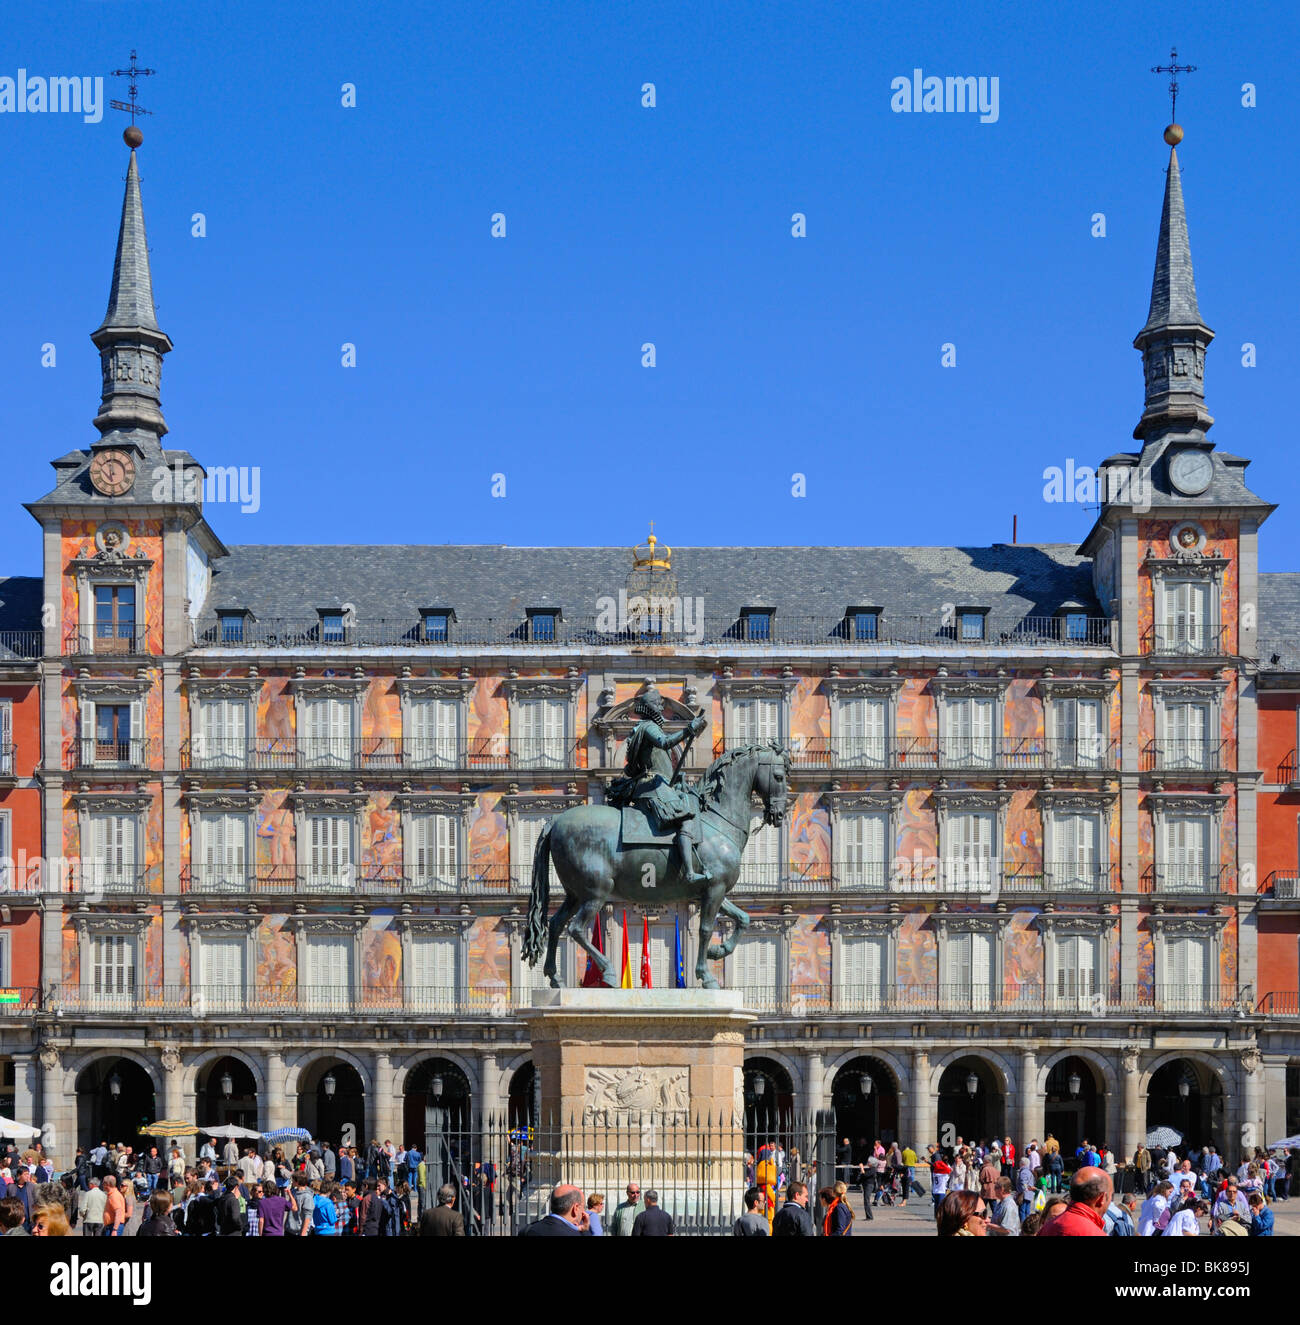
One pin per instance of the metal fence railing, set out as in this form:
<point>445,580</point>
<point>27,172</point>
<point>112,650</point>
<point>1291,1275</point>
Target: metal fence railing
<point>125,998</point>
<point>699,1164</point>
<point>936,629</point>
<point>383,754</point>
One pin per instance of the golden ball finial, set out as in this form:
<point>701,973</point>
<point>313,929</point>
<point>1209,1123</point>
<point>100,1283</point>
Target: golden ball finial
<point>1174,135</point>
<point>132,136</point>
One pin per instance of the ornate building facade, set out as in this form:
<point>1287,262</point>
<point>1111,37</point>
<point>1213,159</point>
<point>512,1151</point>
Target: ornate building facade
<point>296,791</point>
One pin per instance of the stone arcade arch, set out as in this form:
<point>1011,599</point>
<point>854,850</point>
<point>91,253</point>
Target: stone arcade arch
<point>115,1112</point>
<point>970,1114</point>
<point>1200,1114</point>
<point>861,1116</point>
<point>332,1092</point>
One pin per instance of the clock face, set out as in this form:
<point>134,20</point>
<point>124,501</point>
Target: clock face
<point>112,472</point>
<point>1191,471</point>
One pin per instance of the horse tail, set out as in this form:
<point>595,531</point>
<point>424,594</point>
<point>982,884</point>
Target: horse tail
<point>539,900</point>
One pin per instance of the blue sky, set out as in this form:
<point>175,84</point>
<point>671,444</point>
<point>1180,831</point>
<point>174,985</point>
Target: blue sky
<point>670,225</point>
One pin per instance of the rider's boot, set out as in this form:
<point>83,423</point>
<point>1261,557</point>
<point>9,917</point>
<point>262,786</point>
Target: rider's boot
<point>686,854</point>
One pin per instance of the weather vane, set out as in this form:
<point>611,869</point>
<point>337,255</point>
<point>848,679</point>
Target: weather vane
<point>1173,69</point>
<point>132,135</point>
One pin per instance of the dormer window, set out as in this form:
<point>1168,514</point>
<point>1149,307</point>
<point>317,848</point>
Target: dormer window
<point>542,624</point>
<point>970,622</point>
<point>756,623</point>
<point>333,625</point>
<point>231,624</point>
<point>437,624</point>
<point>1074,626</point>
<point>862,623</point>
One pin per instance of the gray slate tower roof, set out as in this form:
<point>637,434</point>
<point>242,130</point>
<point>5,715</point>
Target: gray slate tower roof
<point>130,301</point>
<point>1174,339</point>
<point>130,343</point>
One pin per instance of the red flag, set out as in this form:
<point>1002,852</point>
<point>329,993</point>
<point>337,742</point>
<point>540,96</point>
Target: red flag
<point>592,978</point>
<point>646,981</point>
<point>625,970</point>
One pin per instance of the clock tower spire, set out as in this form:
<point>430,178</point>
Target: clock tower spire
<point>131,345</point>
<point>1174,339</point>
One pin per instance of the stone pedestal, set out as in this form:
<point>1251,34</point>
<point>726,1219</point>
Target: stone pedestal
<point>647,1085</point>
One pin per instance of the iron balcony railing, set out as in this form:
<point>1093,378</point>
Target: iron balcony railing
<point>128,639</point>
<point>91,878</point>
<point>1287,774</point>
<point>1186,641</point>
<point>126,999</point>
<point>1011,754</point>
<point>976,877</point>
<point>19,1001</point>
<point>21,644</point>
<point>91,753</point>
<point>382,754</point>
<point>361,881</point>
<point>1189,879</point>
<point>1283,887</point>
<point>1184,757</point>
<point>937,630</point>
<point>1064,876</point>
<point>7,764</point>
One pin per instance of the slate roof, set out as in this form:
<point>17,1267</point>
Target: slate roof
<point>1279,620</point>
<point>479,582</point>
<point>130,300</point>
<point>1173,286</point>
<point>20,602</point>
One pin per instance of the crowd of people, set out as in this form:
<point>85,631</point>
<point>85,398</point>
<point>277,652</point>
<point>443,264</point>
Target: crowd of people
<point>316,1189</point>
<point>981,1189</point>
<point>311,1188</point>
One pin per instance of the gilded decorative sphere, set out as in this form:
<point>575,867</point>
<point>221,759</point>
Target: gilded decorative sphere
<point>1174,135</point>
<point>132,136</point>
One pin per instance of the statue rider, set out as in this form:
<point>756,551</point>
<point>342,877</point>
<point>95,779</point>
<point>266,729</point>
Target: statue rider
<point>647,782</point>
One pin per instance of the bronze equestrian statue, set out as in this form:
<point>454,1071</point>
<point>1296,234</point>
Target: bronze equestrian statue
<point>646,847</point>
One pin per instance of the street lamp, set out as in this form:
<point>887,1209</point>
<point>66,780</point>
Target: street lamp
<point>865,1083</point>
<point>1184,1088</point>
<point>1074,1083</point>
<point>227,1085</point>
<point>330,1085</point>
<point>760,1085</point>
<point>115,1085</point>
<point>972,1085</point>
<point>435,1086</point>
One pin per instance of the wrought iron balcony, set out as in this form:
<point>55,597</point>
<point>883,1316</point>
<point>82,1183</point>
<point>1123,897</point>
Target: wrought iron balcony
<point>1184,757</point>
<point>925,755</point>
<point>1189,879</point>
<point>116,640</point>
<point>360,881</point>
<point>938,631</point>
<point>382,755</point>
<point>1063,877</point>
<point>1186,641</point>
<point>1283,887</point>
<point>91,754</point>
<point>21,645</point>
<point>131,1000</point>
<point>966,1001</point>
<point>8,764</point>
<point>89,879</point>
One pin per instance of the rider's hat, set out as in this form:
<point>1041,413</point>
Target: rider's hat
<point>649,703</point>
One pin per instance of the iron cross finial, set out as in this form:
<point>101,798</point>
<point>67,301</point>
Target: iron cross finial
<point>134,72</point>
<point>1173,69</point>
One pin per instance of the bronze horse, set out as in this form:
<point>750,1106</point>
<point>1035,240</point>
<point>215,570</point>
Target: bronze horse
<point>595,868</point>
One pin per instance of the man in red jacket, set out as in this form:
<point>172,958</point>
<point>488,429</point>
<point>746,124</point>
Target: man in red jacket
<point>1090,1195</point>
